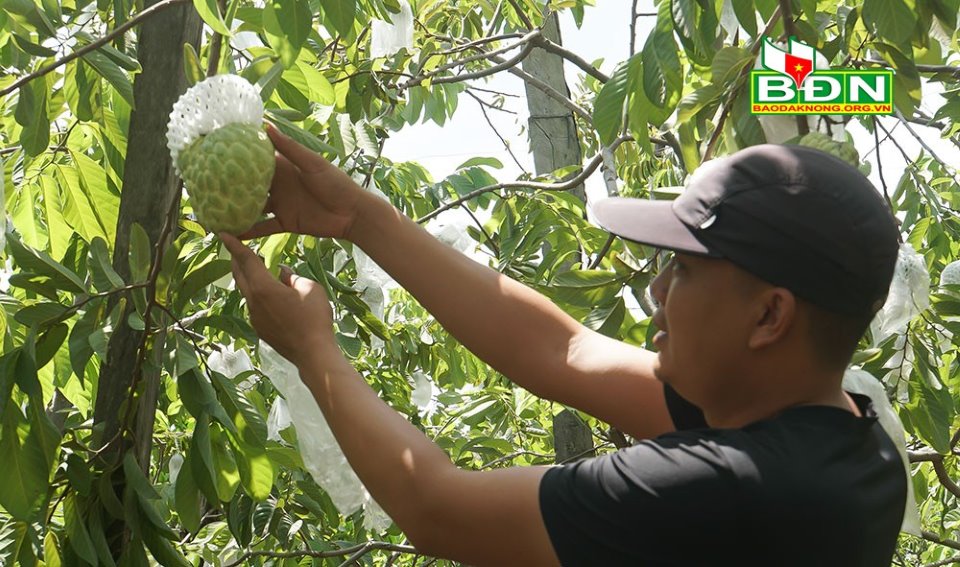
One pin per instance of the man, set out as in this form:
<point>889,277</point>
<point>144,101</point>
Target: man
<point>752,452</point>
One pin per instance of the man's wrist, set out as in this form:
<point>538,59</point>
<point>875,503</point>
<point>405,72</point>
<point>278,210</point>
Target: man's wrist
<point>368,208</point>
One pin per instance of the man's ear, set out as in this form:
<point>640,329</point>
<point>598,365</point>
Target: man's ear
<point>777,312</point>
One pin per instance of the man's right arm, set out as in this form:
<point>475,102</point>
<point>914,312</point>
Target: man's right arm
<point>515,329</point>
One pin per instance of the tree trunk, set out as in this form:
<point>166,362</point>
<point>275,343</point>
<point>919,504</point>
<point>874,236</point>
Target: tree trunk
<point>150,187</point>
<point>555,144</point>
<point>552,128</point>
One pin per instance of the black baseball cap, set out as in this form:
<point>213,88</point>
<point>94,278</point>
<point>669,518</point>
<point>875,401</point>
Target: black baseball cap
<point>794,216</point>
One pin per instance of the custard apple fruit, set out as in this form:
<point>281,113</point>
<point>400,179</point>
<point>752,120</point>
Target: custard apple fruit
<point>219,148</point>
<point>843,150</point>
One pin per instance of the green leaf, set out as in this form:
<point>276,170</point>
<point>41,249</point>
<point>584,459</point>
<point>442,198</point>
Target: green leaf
<point>39,314</point>
<point>608,106</point>
<point>199,279</point>
<point>79,88</point>
<point>696,101</point>
<point>191,64</point>
<point>256,470</point>
<point>99,538</point>
<point>606,320</point>
<point>38,262</point>
<point>187,497</point>
<point>341,14</point>
<point>23,480</point>
<point>746,15</point>
<point>210,13</point>
<point>161,549</point>
<point>31,113</point>
<point>51,551</point>
<point>49,343</point>
<point>728,63</point>
<point>136,479</point>
<point>287,23</point>
<point>77,535</point>
<point>139,253</point>
<point>893,20</point>
<point>662,72</point>
<point>201,457</point>
<point>112,72</point>
<point>105,278</point>
<point>906,80</point>
<point>249,423</point>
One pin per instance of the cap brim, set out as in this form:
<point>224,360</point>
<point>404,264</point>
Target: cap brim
<point>648,222</point>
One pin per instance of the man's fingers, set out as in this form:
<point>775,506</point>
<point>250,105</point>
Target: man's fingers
<point>298,283</point>
<point>263,228</point>
<point>304,158</point>
<point>247,265</point>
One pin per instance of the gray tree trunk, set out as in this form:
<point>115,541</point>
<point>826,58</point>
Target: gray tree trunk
<point>552,129</point>
<point>150,186</point>
<point>555,144</point>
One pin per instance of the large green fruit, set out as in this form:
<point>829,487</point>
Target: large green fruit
<point>227,174</point>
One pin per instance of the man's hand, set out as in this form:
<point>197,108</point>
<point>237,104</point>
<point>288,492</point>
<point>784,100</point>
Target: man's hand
<point>309,195</point>
<point>292,314</point>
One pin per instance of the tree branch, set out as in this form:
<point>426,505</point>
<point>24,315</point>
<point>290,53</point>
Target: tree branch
<point>930,536</point>
<point>143,15</point>
<point>570,56</point>
<point>945,479</point>
<point>365,547</point>
<point>525,42</point>
<point>564,186</point>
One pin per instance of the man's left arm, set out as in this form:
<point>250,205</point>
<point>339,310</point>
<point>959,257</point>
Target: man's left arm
<point>480,518</point>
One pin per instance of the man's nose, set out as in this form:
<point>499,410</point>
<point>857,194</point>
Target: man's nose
<point>659,285</point>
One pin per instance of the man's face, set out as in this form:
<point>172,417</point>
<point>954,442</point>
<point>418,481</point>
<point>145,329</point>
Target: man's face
<point>704,320</point>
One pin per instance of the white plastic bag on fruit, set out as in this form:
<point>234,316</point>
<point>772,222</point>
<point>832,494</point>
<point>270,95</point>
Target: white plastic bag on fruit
<point>909,294</point>
<point>232,363</point>
<point>387,38</point>
<point>319,449</point>
<point>422,393</point>
<point>862,382</point>
<point>278,420</point>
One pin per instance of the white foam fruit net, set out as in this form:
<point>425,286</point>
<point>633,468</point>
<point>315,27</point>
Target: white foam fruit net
<point>321,453</point>
<point>210,104</point>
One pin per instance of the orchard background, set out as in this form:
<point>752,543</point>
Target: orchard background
<point>137,424</point>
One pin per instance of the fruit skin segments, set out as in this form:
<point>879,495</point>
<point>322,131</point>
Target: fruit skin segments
<point>216,138</point>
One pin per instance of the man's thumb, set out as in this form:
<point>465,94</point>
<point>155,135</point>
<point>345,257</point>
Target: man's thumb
<point>291,279</point>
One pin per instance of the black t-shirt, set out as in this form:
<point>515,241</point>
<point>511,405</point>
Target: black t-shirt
<point>813,486</point>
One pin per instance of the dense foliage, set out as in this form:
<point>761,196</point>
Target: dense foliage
<point>222,483</point>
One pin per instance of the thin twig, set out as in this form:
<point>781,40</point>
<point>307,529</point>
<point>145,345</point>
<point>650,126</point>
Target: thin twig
<point>603,251</point>
<point>728,103</point>
<point>506,145</point>
<point>524,41</point>
<point>213,56</point>
<point>120,30</point>
<point>522,15</point>
<point>883,181</point>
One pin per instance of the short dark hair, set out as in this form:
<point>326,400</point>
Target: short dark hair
<point>834,336</point>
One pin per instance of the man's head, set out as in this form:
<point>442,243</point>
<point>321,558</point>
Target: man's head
<point>778,247</point>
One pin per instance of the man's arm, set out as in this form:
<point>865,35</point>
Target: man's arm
<point>515,329</point>
<point>480,518</point>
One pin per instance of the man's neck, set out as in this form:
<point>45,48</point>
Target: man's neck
<point>758,410</point>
